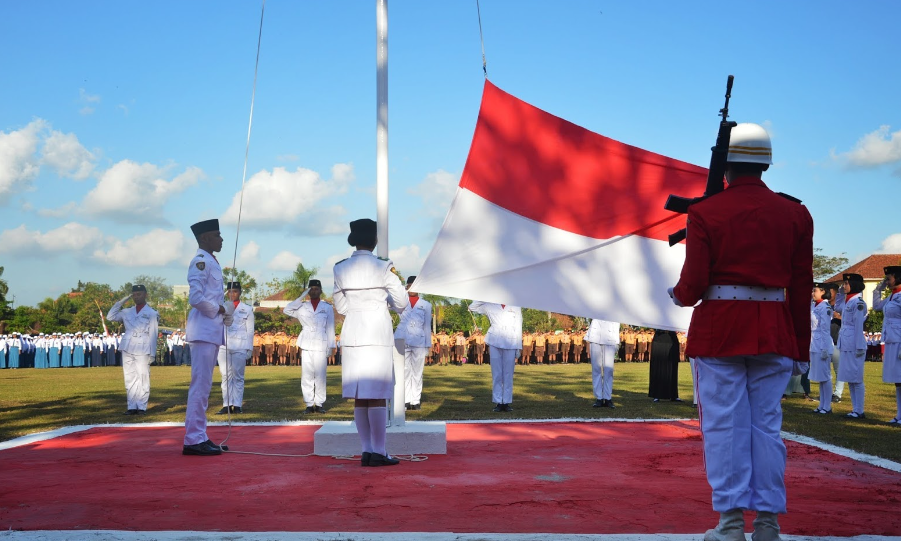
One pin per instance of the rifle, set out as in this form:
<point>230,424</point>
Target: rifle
<point>715,172</point>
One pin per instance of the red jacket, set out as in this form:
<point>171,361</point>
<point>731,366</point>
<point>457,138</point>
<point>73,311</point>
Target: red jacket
<point>748,235</point>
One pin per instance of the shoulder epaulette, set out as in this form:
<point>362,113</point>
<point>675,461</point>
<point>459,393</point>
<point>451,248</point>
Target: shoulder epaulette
<point>383,258</point>
<point>790,198</point>
<point>343,260</point>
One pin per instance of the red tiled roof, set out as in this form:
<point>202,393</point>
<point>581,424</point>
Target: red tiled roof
<point>871,267</point>
<point>280,296</point>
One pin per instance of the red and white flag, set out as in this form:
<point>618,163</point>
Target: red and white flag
<point>549,215</point>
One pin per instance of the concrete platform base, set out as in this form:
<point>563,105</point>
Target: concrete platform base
<point>339,438</point>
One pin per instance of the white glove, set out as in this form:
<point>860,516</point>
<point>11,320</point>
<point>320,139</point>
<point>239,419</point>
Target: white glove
<point>861,352</point>
<point>228,319</point>
<point>229,308</point>
<point>675,300</point>
<point>125,299</point>
<point>824,355</point>
<point>804,367</point>
<point>880,287</point>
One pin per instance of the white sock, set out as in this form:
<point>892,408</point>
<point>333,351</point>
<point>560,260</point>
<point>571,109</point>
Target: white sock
<point>857,394</point>
<point>378,419</point>
<point>826,395</point>
<point>361,418</point>
<point>898,401</point>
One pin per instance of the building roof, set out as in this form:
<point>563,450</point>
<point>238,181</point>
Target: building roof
<point>871,267</point>
<point>282,296</point>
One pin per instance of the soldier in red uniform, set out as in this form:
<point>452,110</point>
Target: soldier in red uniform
<point>748,258</point>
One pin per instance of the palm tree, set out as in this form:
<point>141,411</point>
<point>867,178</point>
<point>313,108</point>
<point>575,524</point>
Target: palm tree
<point>438,304</point>
<point>297,283</point>
<point>4,289</point>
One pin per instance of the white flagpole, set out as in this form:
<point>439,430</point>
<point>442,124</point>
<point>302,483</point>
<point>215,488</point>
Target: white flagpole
<point>396,413</point>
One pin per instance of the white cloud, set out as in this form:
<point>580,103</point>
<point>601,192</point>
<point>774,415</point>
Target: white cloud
<point>284,261</point>
<point>249,254</point>
<point>891,245</point>
<point>63,152</point>
<point>407,259</point>
<point>88,98</point>
<point>72,237</point>
<point>18,164</point>
<point>287,157</point>
<point>284,198</point>
<point>874,149</point>
<point>135,192</point>
<point>62,212</point>
<point>437,191</point>
<point>86,110</point>
<point>156,248</point>
<point>123,108</point>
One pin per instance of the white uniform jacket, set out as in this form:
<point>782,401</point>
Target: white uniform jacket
<point>605,333</point>
<point>141,329</point>
<point>364,287</point>
<point>415,326</point>
<point>240,333</point>
<point>854,312</point>
<point>891,322</point>
<point>317,331</point>
<point>506,324</point>
<point>206,296</point>
<point>820,339</point>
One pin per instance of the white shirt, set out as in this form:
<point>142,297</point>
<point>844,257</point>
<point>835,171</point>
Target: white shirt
<point>206,295</point>
<point>317,331</point>
<point>603,332</point>
<point>141,329</point>
<point>240,333</point>
<point>415,326</point>
<point>365,286</point>
<point>506,324</point>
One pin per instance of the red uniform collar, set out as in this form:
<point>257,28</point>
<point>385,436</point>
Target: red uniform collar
<point>315,303</point>
<point>138,308</point>
<point>413,301</point>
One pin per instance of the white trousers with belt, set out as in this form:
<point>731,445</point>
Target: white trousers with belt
<point>136,368</point>
<point>741,417</point>
<point>203,361</point>
<point>312,376</point>
<point>231,367</point>
<point>602,370</point>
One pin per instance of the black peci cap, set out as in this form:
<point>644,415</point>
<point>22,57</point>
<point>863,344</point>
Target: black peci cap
<point>233,285</point>
<point>316,283</point>
<point>852,277</point>
<point>138,287</point>
<point>205,227</point>
<point>363,232</point>
<point>410,280</point>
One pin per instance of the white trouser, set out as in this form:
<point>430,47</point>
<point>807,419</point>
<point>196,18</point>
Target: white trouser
<point>694,379</point>
<point>232,375</point>
<point>312,376</point>
<point>414,361</point>
<point>203,361</point>
<point>137,379</point>
<point>741,416</point>
<point>502,363</point>
<point>839,385</point>
<point>602,370</point>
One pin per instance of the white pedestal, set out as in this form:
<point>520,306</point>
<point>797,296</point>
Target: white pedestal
<point>340,438</point>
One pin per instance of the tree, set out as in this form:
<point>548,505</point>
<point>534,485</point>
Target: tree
<point>158,291</point>
<point>5,312</point>
<point>827,266</point>
<point>297,283</point>
<point>438,305</point>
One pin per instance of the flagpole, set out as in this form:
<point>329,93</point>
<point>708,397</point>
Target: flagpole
<point>396,413</point>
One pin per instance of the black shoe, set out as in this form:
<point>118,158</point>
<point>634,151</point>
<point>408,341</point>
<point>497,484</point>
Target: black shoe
<point>836,399</point>
<point>499,408</point>
<point>310,409</point>
<point>599,403</point>
<point>201,449</point>
<point>223,411</point>
<point>130,412</point>
<point>140,412</point>
<point>416,407</point>
<point>364,460</point>
<point>610,404</point>
<point>211,444</point>
<point>237,409</point>
<point>508,407</point>
<point>376,459</point>
<point>407,406</point>
<point>319,409</point>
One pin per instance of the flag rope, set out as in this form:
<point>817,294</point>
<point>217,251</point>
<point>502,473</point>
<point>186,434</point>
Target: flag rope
<point>482,40</point>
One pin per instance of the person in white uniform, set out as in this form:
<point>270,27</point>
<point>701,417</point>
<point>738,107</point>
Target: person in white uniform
<point>504,341</point>
<point>138,346</point>
<point>603,340</point>
<point>821,346</point>
<point>205,332</point>
<point>852,344</point>
<point>316,343</point>
<point>890,306</point>
<point>233,355</point>
<point>415,329</point>
<point>365,288</point>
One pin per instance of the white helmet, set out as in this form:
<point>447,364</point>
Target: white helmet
<point>750,143</point>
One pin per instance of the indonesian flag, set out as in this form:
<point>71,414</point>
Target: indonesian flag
<point>549,215</point>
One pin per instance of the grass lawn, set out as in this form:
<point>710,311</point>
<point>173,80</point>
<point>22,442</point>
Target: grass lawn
<point>38,400</point>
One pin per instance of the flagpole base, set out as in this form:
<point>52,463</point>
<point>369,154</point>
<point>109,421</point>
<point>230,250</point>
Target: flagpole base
<point>339,438</point>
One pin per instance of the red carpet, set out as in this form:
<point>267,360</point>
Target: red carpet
<point>503,478</point>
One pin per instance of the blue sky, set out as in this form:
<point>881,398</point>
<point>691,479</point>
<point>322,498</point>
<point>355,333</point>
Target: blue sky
<point>125,122</point>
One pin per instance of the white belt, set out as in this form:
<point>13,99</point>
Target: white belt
<point>744,293</point>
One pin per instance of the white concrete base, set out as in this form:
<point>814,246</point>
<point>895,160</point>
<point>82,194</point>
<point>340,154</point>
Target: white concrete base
<point>340,438</point>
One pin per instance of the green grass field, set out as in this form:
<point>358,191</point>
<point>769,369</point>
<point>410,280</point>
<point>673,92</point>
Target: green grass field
<point>38,400</point>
